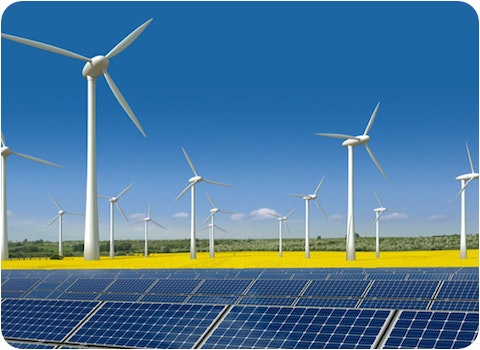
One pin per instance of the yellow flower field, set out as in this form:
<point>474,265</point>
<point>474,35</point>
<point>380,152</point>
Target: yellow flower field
<point>434,258</point>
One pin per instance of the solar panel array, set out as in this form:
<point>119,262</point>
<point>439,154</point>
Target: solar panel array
<point>246,308</point>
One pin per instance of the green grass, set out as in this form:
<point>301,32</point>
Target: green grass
<point>40,248</point>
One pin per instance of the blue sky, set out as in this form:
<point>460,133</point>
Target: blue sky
<point>243,87</point>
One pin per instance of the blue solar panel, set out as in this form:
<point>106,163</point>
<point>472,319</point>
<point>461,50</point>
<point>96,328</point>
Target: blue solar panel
<point>19,345</point>
<point>436,329</point>
<point>174,286</point>
<point>160,298</point>
<point>130,285</point>
<point>147,325</point>
<point>286,327</point>
<point>43,320</point>
<point>402,289</point>
<point>251,300</point>
<point>338,288</point>
<point>94,285</point>
<point>209,299</point>
<point>78,296</point>
<point>458,290</point>
<point>225,287</point>
<point>387,276</point>
<point>311,275</point>
<point>358,276</point>
<point>455,305</point>
<point>18,284</point>
<point>277,288</point>
<point>327,302</point>
<point>406,304</point>
<point>120,296</point>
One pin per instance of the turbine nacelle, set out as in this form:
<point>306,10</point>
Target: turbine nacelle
<point>358,140</point>
<point>6,151</point>
<point>195,179</point>
<point>61,212</point>
<point>379,210</point>
<point>113,199</point>
<point>95,67</point>
<point>147,219</point>
<point>465,177</point>
<point>310,197</point>
<point>214,210</point>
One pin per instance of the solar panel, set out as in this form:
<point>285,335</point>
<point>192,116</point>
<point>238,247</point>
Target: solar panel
<point>251,300</point>
<point>402,289</point>
<point>433,329</point>
<point>406,304</point>
<point>277,287</point>
<point>130,285</point>
<point>287,327</point>
<point>327,302</point>
<point>455,305</point>
<point>348,276</point>
<point>95,285</point>
<point>174,286</point>
<point>19,284</point>
<point>213,299</point>
<point>78,296</point>
<point>311,275</point>
<point>458,290</point>
<point>147,325</point>
<point>160,298</point>
<point>43,320</point>
<point>120,296</point>
<point>225,287</point>
<point>338,288</point>
<point>20,345</point>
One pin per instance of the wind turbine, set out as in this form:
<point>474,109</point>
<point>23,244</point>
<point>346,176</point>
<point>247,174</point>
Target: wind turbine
<point>114,200</point>
<point>94,67</point>
<point>212,224</point>
<point>465,180</point>
<point>281,219</point>
<point>378,213</point>
<point>308,198</point>
<point>6,151</point>
<point>191,186</point>
<point>351,142</point>
<point>59,216</point>
<point>146,221</point>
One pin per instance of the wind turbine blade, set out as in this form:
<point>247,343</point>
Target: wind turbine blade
<point>125,190</point>
<point>209,217</point>
<point>156,223</point>
<point>470,158</point>
<point>137,222</point>
<point>121,211</point>
<point>122,45</point>
<point>190,162</point>
<point>372,119</point>
<point>378,199</point>
<point>38,160</point>
<point>217,183</point>
<point>227,211</point>
<point>71,213</point>
<point>297,195</point>
<point>184,191</point>
<point>210,199</point>
<point>375,160</point>
<point>104,197</point>
<point>46,47</point>
<point>465,186</point>
<point>221,229</point>
<point>378,218</point>
<point>338,136</point>
<point>52,221</point>
<point>290,213</point>
<point>55,202</point>
<point>286,226</point>
<point>149,210</point>
<point>3,139</point>
<point>123,102</point>
<point>274,215</point>
<point>319,185</point>
<point>321,209</point>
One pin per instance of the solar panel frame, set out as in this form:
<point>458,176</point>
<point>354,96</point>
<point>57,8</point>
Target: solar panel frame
<point>390,289</point>
<point>277,288</point>
<point>175,286</point>
<point>336,288</point>
<point>225,287</point>
<point>466,290</point>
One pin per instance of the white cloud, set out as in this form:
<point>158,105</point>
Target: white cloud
<point>180,215</point>
<point>437,217</point>
<point>263,214</point>
<point>137,216</point>
<point>238,217</point>
<point>335,217</point>
<point>395,216</point>
<point>10,213</point>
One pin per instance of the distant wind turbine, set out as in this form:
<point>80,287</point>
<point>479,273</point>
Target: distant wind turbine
<point>281,220</point>
<point>308,198</point>
<point>114,200</point>
<point>351,142</point>
<point>94,67</point>
<point>378,213</point>
<point>59,216</point>
<point>6,151</point>
<point>212,224</point>
<point>146,221</point>
<point>192,182</point>
<point>465,180</point>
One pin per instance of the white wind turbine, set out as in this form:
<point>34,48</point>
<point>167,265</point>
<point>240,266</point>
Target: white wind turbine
<point>378,213</point>
<point>351,142</point>
<point>212,224</point>
<point>192,182</point>
<point>465,180</point>
<point>94,67</point>
<point>308,198</point>
<point>146,220</point>
<point>113,201</point>
<point>59,216</point>
<point>6,151</point>
<point>281,220</point>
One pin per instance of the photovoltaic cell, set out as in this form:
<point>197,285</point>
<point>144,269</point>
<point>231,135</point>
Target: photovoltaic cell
<point>120,296</point>
<point>18,284</point>
<point>224,287</point>
<point>147,325</point>
<point>458,305</point>
<point>395,304</point>
<point>402,289</point>
<point>277,287</point>
<point>160,298</point>
<point>251,300</point>
<point>174,286</point>
<point>305,328</point>
<point>436,329</point>
<point>130,285</point>
<point>94,285</point>
<point>43,320</point>
<point>458,290</point>
<point>327,302</point>
<point>213,299</point>
<point>340,288</point>
<point>19,345</point>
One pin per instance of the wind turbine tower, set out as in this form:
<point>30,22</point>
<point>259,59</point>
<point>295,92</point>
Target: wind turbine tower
<point>308,198</point>
<point>282,220</point>
<point>5,152</point>
<point>191,186</point>
<point>351,142</point>
<point>113,201</point>
<point>94,67</point>
<point>146,220</point>
<point>212,224</point>
<point>378,213</point>
<point>465,180</point>
<point>59,216</point>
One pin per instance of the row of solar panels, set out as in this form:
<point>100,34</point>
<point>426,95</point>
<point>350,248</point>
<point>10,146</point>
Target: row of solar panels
<point>32,323</point>
<point>285,274</point>
<point>381,294</point>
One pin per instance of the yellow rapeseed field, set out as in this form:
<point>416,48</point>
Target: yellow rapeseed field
<point>434,258</point>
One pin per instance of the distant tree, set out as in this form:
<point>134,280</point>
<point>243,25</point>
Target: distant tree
<point>77,247</point>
